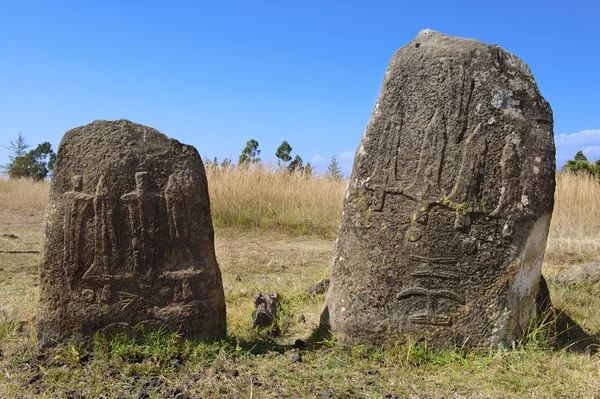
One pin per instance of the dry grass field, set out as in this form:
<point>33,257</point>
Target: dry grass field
<point>268,199</point>
<point>276,233</point>
<point>575,229</point>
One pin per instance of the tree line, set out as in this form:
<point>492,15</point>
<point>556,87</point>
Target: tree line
<point>38,162</point>
<point>581,165</point>
<point>294,165</point>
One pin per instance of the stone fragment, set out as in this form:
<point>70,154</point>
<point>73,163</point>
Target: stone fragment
<point>448,208</point>
<point>582,274</point>
<point>319,287</point>
<point>295,357</point>
<point>265,311</point>
<point>129,240</point>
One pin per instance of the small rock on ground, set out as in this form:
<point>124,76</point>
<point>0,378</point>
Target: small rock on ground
<point>320,287</point>
<point>585,273</point>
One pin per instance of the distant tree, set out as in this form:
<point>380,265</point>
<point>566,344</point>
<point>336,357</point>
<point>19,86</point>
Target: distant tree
<point>580,157</point>
<point>283,152</point>
<point>226,164</point>
<point>333,170</point>
<point>296,165</point>
<point>17,167</point>
<point>308,170</point>
<point>35,164</point>
<point>211,163</point>
<point>250,153</point>
<point>581,165</point>
<point>42,160</point>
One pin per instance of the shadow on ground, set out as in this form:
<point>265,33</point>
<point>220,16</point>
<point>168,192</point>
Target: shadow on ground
<point>571,336</point>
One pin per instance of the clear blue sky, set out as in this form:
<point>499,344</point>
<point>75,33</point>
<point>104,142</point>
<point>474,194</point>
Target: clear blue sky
<point>215,74</point>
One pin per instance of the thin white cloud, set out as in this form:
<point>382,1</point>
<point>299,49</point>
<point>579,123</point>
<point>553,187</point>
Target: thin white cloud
<point>592,152</point>
<point>317,158</point>
<point>567,145</point>
<point>347,155</point>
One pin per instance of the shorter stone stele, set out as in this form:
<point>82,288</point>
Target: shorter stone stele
<point>129,242</point>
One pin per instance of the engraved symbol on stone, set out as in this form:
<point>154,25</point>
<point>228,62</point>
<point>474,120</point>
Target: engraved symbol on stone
<point>88,295</point>
<point>126,299</point>
<point>182,291</point>
<point>74,227</point>
<point>422,170</point>
<point>105,239</point>
<point>176,208</point>
<point>387,182</point>
<point>143,205</point>
<point>106,293</point>
<point>428,270</point>
<point>429,315</point>
<point>414,168</point>
<point>186,291</point>
<point>383,190</point>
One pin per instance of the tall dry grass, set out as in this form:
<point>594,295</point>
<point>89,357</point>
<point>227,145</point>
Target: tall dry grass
<point>575,229</point>
<point>23,195</point>
<point>268,198</point>
<point>262,197</point>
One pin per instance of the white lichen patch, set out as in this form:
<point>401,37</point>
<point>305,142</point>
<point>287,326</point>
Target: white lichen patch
<point>504,100</point>
<point>520,309</point>
<point>361,150</point>
<point>377,111</point>
<point>522,85</point>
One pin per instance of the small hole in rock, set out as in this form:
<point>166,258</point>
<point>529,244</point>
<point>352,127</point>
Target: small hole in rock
<point>417,45</point>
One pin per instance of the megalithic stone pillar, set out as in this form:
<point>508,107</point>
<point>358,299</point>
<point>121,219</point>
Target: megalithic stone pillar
<point>129,238</point>
<point>448,208</point>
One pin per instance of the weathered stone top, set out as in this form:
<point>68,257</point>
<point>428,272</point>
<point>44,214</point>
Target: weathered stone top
<point>479,92</point>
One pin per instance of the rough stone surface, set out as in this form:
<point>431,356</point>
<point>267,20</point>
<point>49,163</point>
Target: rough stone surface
<point>129,238</point>
<point>265,310</point>
<point>448,208</point>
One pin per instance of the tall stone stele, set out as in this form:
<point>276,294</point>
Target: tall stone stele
<point>129,241</point>
<point>448,208</point>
